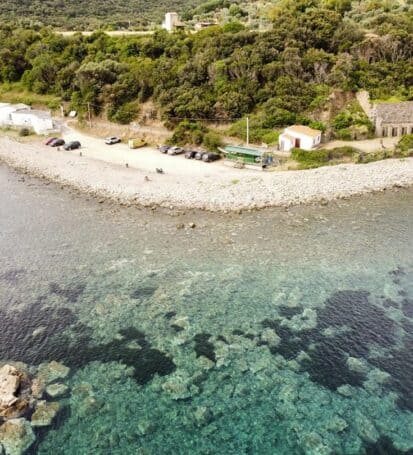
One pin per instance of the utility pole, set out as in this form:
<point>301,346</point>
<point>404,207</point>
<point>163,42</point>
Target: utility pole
<point>89,115</point>
<point>248,130</point>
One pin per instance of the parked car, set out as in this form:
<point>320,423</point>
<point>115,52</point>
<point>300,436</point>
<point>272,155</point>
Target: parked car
<point>208,157</point>
<point>57,142</point>
<point>176,151</point>
<point>50,140</point>
<point>198,155</point>
<point>112,140</point>
<point>164,148</point>
<point>190,154</point>
<point>136,143</point>
<point>72,145</point>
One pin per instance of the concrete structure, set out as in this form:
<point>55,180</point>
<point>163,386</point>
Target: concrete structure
<point>22,116</point>
<point>40,121</point>
<point>171,22</point>
<point>393,119</point>
<point>299,136</point>
<point>6,109</point>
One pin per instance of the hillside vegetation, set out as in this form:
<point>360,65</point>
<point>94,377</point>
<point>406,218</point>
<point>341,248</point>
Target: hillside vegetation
<point>279,77</point>
<point>90,14</point>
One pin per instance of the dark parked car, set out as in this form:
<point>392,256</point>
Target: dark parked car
<point>164,148</point>
<point>57,143</point>
<point>112,140</point>
<point>50,140</point>
<point>175,151</point>
<point>190,154</point>
<point>208,157</point>
<point>72,145</point>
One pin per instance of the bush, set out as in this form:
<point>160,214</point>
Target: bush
<point>123,114</point>
<point>405,143</point>
<point>344,134</point>
<point>271,138</point>
<point>212,141</point>
<point>320,157</point>
<point>317,125</point>
<point>341,152</point>
<point>311,158</point>
<point>24,132</point>
<point>188,132</point>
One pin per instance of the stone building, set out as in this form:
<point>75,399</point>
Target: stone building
<point>389,119</point>
<point>393,119</point>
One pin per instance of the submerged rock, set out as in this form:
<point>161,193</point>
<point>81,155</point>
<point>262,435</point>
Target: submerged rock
<point>16,436</point>
<point>202,415</point>
<point>269,336</point>
<point>45,413</point>
<point>178,387</point>
<point>146,427</point>
<point>345,390</point>
<point>50,372</point>
<point>356,365</point>
<point>56,390</point>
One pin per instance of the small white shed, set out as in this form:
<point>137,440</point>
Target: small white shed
<point>299,136</point>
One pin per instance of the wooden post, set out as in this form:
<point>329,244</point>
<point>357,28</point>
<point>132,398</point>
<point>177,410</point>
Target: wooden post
<point>89,115</point>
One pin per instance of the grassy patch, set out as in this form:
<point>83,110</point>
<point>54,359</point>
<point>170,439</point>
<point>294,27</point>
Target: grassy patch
<point>322,157</point>
<point>15,93</point>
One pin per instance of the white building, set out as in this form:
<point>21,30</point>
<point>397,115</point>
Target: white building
<point>40,121</point>
<point>6,109</point>
<point>171,22</point>
<point>22,116</point>
<point>299,136</point>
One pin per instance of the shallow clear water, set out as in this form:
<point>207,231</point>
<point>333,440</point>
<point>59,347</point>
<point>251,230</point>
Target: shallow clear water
<point>278,332</point>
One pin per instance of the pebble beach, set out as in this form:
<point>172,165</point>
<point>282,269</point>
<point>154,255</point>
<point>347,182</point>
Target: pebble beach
<point>211,187</point>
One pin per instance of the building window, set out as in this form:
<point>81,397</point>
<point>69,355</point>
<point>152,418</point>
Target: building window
<point>404,131</point>
<point>384,132</point>
<point>394,131</point>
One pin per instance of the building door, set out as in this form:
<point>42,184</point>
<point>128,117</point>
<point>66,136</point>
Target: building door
<point>297,143</point>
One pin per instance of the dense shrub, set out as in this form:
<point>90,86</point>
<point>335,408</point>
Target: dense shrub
<point>321,157</point>
<point>311,158</point>
<point>212,141</point>
<point>24,132</point>
<point>188,132</point>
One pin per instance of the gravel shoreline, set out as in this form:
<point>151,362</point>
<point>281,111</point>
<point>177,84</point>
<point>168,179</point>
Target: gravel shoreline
<point>230,191</point>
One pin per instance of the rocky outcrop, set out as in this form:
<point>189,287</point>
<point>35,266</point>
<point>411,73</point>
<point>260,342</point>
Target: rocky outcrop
<point>14,392</point>
<point>21,396</point>
<point>9,383</point>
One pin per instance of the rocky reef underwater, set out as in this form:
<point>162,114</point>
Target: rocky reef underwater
<point>205,362</point>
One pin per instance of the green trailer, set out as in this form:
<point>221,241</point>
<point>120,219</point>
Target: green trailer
<point>245,155</point>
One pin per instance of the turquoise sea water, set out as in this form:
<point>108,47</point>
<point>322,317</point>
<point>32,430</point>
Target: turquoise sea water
<point>277,332</point>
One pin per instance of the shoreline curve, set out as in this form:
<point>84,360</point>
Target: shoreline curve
<point>235,190</point>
